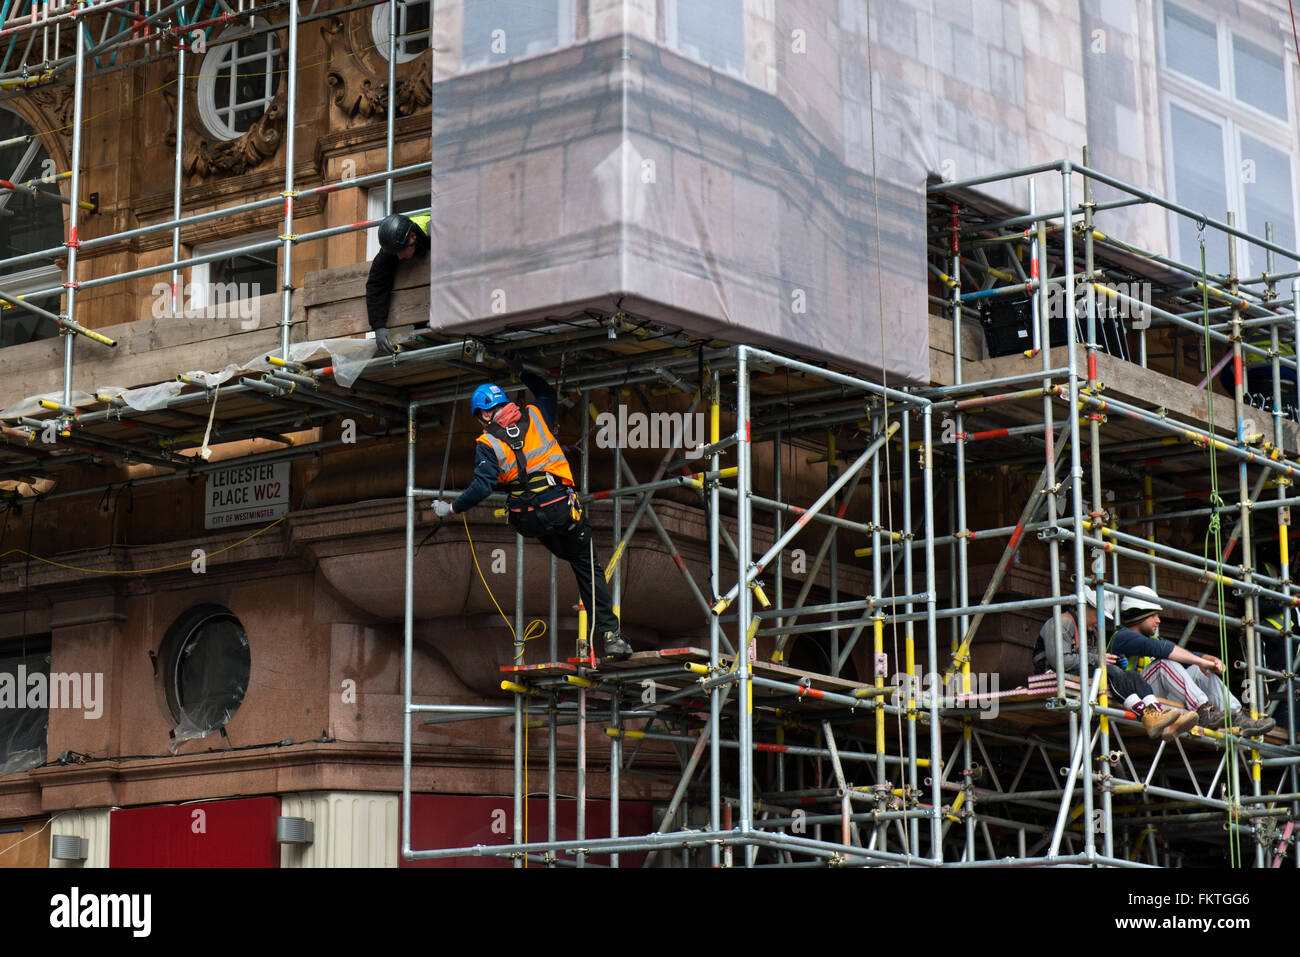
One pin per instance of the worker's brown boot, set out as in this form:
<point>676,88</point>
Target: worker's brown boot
<point>1211,717</point>
<point>1156,722</point>
<point>1253,727</point>
<point>1183,722</point>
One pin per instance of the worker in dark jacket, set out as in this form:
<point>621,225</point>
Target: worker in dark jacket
<point>401,238</point>
<point>518,451</point>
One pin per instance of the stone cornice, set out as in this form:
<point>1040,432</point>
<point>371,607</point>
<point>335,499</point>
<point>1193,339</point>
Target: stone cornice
<point>303,766</point>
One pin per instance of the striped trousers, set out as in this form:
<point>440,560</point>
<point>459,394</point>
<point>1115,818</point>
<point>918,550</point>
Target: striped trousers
<point>1187,683</point>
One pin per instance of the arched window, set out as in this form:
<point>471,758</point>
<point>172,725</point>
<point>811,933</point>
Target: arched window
<point>27,224</point>
<point>237,81</point>
<point>412,28</point>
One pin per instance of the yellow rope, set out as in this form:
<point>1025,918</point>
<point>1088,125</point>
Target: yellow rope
<point>135,571</point>
<point>531,631</point>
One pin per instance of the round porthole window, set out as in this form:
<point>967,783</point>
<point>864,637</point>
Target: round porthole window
<point>204,665</point>
<point>412,28</point>
<point>237,81</point>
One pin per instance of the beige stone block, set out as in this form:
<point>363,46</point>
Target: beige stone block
<point>1075,97</point>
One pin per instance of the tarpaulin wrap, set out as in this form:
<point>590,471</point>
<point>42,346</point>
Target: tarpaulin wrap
<point>349,357</point>
<point>212,675</point>
<point>736,201</point>
<point>23,730</point>
<point>153,397</point>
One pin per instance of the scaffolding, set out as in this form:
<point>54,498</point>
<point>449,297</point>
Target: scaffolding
<point>809,766</point>
<point>1124,801</point>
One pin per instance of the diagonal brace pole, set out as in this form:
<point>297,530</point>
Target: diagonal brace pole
<point>756,568</point>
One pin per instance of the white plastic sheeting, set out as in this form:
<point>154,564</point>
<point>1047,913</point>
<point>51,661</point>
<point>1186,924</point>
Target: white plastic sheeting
<point>348,356</point>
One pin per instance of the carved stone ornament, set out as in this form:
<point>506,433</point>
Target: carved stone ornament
<point>54,104</point>
<point>238,156</point>
<point>359,87</point>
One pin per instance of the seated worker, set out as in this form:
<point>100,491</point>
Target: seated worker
<point>400,238</point>
<point>1199,685</point>
<point>1138,696</point>
<point>518,451</point>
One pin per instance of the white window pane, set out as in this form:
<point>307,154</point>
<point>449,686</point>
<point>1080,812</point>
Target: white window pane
<point>713,31</point>
<point>1199,185</point>
<point>499,30</point>
<point>1266,182</point>
<point>1260,80</point>
<point>1191,45</point>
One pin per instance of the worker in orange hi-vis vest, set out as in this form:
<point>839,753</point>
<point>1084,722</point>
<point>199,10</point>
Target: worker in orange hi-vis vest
<point>518,452</point>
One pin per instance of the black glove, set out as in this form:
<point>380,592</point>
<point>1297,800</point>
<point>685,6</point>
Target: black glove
<point>384,340</point>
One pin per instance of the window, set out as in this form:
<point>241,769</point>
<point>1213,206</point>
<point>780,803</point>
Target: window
<point>712,31</point>
<point>1229,133</point>
<point>24,704</point>
<point>412,28</point>
<point>237,82</point>
<point>17,325</point>
<point>26,225</point>
<point>1259,77</point>
<point>1200,182</point>
<point>408,195</point>
<point>497,31</point>
<point>242,276</point>
<point>1191,45</point>
<point>204,666</point>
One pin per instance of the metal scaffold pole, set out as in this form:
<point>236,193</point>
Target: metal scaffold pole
<point>74,210</point>
<point>744,545</point>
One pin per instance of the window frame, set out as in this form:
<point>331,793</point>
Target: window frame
<point>565,36</point>
<point>379,30</point>
<point>200,273</point>
<point>1235,118</point>
<point>18,649</point>
<point>180,633</point>
<point>209,69</point>
<point>402,190</point>
<point>27,282</point>
<point>673,41</point>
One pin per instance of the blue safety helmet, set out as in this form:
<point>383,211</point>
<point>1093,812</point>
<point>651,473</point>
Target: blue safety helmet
<point>487,397</point>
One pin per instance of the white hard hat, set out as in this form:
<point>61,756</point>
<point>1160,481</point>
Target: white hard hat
<point>1135,609</point>
<point>1149,600</point>
<point>1090,595</point>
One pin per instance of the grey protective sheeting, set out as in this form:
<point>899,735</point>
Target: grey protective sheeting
<point>712,170</point>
